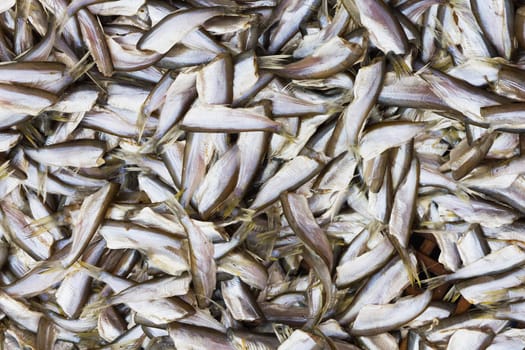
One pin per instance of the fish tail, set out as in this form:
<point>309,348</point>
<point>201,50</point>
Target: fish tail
<point>274,62</point>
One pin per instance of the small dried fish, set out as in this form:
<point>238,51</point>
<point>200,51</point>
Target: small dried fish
<point>66,154</point>
<point>262,174</point>
<point>215,118</point>
<point>330,58</point>
<point>496,262</point>
<point>374,142</point>
<point>181,23</point>
<point>373,319</point>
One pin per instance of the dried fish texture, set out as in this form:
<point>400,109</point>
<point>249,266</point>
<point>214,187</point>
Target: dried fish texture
<point>262,174</point>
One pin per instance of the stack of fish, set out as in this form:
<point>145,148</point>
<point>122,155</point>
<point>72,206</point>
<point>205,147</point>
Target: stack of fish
<point>262,174</point>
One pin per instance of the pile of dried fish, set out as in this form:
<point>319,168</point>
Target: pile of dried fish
<point>262,174</point>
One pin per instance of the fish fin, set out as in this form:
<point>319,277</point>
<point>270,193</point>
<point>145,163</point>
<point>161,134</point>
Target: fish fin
<point>465,193</point>
<point>179,194</point>
<point>290,138</point>
<point>35,232</point>
<point>425,271</point>
<point>452,295</point>
<point>401,68</point>
<point>5,170</point>
<point>434,282</point>
<point>411,269</point>
<point>335,108</point>
<point>93,309</point>
<point>211,301</point>
<point>462,195</point>
<point>31,134</point>
<point>43,224</point>
<point>230,203</point>
<point>90,338</point>
<point>170,136</point>
<point>95,81</point>
<point>375,226</point>
<point>52,266</point>
<point>282,331</point>
<point>42,179</point>
<point>57,117</point>
<point>149,146</point>
<point>81,68</point>
<point>495,296</point>
<point>247,215</point>
<point>288,88</point>
<point>91,270</point>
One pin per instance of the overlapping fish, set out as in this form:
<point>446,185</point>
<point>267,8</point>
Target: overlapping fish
<point>262,174</point>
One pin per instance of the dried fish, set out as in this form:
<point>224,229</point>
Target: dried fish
<point>66,154</point>
<point>181,23</point>
<point>330,58</point>
<point>373,319</point>
<point>374,142</point>
<point>262,174</point>
<point>496,262</point>
<point>215,118</point>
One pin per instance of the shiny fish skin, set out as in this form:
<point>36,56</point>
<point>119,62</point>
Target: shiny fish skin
<point>239,301</point>
<point>191,337</point>
<point>330,58</point>
<point>93,36</point>
<point>163,251</point>
<point>499,261</point>
<point>366,89</point>
<point>292,175</point>
<point>159,311</point>
<point>364,264</point>
<point>211,118</point>
<point>396,277</point>
<point>66,154</point>
<point>384,28</point>
<point>158,40</point>
<point>380,318</point>
<point>373,142</point>
<point>218,183</point>
<point>93,207</point>
<point>17,99</point>
<point>286,19</point>
<point>496,18</point>
<point>302,222</point>
<point>202,265</point>
<point>215,81</point>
